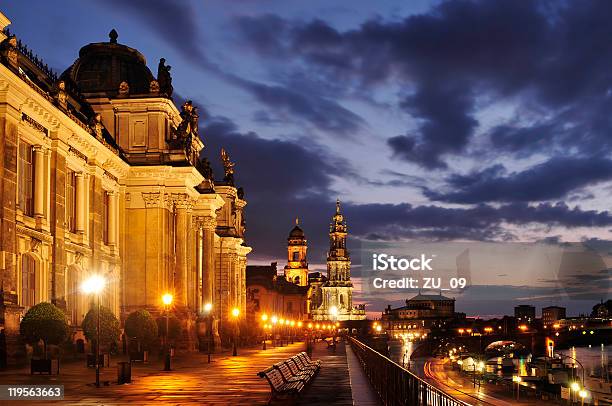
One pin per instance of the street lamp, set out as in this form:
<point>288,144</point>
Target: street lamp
<point>95,284</point>
<point>264,318</point>
<point>235,314</point>
<point>334,312</point>
<point>167,301</point>
<point>209,334</point>
<point>583,394</point>
<point>274,320</point>
<point>292,331</point>
<point>518,380</point>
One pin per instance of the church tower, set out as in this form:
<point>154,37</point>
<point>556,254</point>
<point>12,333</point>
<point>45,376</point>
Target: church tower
<point>337,291</point>
<point>296,270</point>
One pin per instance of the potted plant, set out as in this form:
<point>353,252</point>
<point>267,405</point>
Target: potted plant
<point>47,323</point>
<point>110,330</point>
<point>142,328</point>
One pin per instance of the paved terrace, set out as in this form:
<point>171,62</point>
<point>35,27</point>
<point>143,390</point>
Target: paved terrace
<point>226,381</point>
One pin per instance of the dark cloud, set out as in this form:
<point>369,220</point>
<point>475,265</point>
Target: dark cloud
<point>459,54</point>
<point>446,125</point>
<point>553,179</point>
<point>174,22</point>
<point>325,114</point>
<point>285,179</point>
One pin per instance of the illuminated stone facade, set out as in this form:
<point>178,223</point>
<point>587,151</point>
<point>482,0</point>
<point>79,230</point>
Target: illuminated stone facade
<point>337,291</point>
<point>101,173</point>
<point>296,270</point>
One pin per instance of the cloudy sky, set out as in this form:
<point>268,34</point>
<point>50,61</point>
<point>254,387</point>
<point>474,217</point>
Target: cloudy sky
<point>430,120</point>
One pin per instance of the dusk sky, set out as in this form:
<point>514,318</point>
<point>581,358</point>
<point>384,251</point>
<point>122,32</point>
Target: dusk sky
<point>463,120</point>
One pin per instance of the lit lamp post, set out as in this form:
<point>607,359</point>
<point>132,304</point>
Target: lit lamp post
<point>334,313</point>
<point>281,323</point>
<point>209,335</point>
<point>575,387</point>
<point>274,320</point>
<point>264,318</point>
<point>582,394</point>
<point>235,314</point>
<point>167,301</point>
<point>95,285</point>
<point>292,331</point>
<point>518,380</point>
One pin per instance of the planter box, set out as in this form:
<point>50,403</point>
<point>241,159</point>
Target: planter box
<point>142,356</point>
<point>124,372</point>
<point>41,366</point>
<point>104,360</point>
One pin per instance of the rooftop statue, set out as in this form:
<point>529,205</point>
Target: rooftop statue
<point>228,167</point>
<point>189,124</point>
<point>163,78</point>
<point>204,168</point>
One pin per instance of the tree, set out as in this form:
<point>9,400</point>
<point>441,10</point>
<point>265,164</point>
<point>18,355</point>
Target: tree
<point>141,326</point>
<point>45,322</point>
<point>174,327</point>
<point>110,329</point>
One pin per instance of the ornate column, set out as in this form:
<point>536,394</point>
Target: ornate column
<point>182,210</point>
<point>39,181</point>
<point>208,259</point>
<point>81,194</point>
<point>112,218</point>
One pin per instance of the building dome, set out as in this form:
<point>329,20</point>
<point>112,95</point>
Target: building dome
<point>296,232</point>
<point>102,67</point>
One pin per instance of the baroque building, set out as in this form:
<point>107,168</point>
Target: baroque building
<point>419,316</point>
<point>101,173</point>
<point>336,292</point>
<point>271,294</point>
<point>296,270</point>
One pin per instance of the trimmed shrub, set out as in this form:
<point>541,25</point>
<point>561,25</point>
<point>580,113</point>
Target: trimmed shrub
<point>174,327</point>
<point>110,328</point>
<point>45,322</point>
<point>141,326</point>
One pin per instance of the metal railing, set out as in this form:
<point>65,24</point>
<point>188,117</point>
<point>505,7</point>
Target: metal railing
<point>396,385</point>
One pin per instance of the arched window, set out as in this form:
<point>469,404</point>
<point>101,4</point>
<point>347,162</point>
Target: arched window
<point>28,281</point>
<point>296,280</point>
<point>74,298</point>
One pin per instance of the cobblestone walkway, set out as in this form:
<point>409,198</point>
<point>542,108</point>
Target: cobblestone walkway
<point>226,381</point>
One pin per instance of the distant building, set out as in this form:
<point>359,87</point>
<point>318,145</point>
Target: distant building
<point>271,294</point>
<point>602,310</point>
<point>337,290</point>
<point>552,314</point>
<point>525,313</point>
<point>419,316</point>
<point>296,270</point>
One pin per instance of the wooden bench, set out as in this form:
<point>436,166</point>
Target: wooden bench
<point>297,370</point>
<point>278,384</point>
<point>304,357</point>
<point>291,376</point>
<point>300,364</point>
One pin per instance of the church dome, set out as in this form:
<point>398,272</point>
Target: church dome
<point>102,67</point>
<point>296,232</point>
